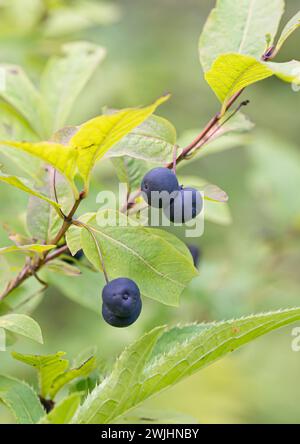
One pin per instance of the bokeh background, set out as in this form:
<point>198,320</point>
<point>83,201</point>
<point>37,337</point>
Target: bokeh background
<point>249,266</point>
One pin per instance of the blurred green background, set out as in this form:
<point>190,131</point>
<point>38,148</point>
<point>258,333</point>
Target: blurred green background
<point>250,266</point>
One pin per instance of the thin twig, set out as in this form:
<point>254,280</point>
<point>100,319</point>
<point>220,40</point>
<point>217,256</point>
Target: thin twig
<point>175,158</point>
<point>56,253</point>
<point>211,124</point>
<point>54,186</point>
<point>217,128</point>
<point>41,281</point>
<point>30,269</point>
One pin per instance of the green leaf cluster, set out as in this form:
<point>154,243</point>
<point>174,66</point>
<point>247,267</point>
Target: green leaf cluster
<point>237,42</point>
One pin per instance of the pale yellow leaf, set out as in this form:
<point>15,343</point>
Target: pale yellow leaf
<point>95,137</point>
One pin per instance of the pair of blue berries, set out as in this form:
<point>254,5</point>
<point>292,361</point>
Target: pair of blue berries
<point>160,189</point>
<point>122,304</point>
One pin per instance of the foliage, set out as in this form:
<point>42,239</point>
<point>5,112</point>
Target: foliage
<point>56,161</point>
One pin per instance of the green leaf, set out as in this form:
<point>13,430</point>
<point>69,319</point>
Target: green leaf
<point>176,354</point>
<point>65,77</point>
<point>73,237</point>
<point>22,185</point>
<point>159,262</point>
<point>64,411</point>
<point>89,144</point>
<point>13,125</point>
<point>84,289</point>
<point>230,135</point>
<point>235,126</point>
<point>119,390</point>
<point>77,16</point>
<point>218,213</point>
<point>21,400</point>
<point>53,371</point>
<point>23,96</point>
<point>130,171</point>
<point>288,72</point>
<point>22,325</point>
<point>2,340</point>
<point>148,416</point>
<point>151,141</point>
<point>95,137</point>
<point>239,26</point>
<point>58,266</point>
<point>34,248</point>
<point>288,30</point>
<point>211,192</point>
<point>216,209</point>
<point>84,355</point>
<point>44,222</point>
<point>214,193</point>
<point>49,367</point>
<point>61,157</point>
<point>83,370</point>
<point>25,298</point>
<point>150,144</point>
<point>231,73</point>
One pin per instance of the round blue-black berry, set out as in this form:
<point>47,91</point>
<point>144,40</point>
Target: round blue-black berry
<point>158,186</point>
<point>78,256</point>
<point>117,321</point>
<point>122,297</point>
<point>186,206</point>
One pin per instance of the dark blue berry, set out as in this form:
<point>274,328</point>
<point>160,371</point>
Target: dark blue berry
<point>117,321</point>
<point>121,296</point>
<point>156,181</point>
<point>186,206</point>
<point>78,256</point>
<point>196,254</point>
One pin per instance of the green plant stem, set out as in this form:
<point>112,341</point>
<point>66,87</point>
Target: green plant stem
<point>211,126</point>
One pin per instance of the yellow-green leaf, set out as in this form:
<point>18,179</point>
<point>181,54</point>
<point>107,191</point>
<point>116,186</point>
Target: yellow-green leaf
<point>49,368</point>
<point>64,411</point>
<point>65,77</point>
<point>34,248</point>
<point>23,325</point>
<point>21,400</point>
<point>21,184</point>
<point>83,370</point>
<point>291,26</point>
<point>73,235</point>
<point>95,137</point>
<point>239,26</point>
<point>61,157</point>
<point>231,73</point>
<point>159,262</point>
<point>20,93</point>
